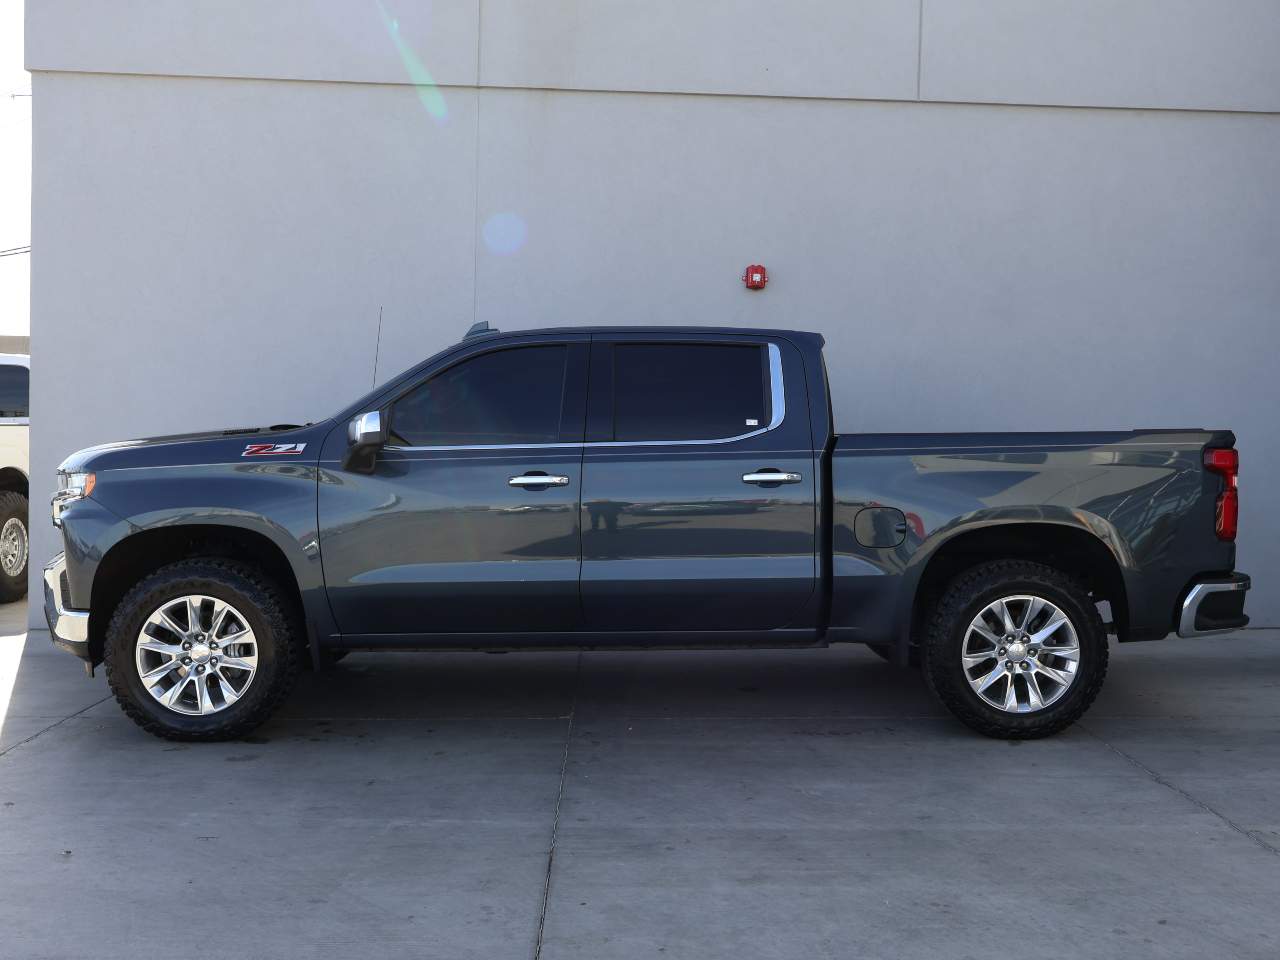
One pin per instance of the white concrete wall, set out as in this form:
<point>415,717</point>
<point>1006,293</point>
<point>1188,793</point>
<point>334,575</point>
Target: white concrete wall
<point>227,194</point>
<point>15,180</point>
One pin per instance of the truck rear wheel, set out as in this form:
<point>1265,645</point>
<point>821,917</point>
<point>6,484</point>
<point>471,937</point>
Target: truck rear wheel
<point>14,546</point>
<point>1015,649</point>
<point>201,650</point>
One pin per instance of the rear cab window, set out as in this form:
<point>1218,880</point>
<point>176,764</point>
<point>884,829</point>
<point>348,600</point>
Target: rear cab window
<point>15,392</point>
<point>689,391</point>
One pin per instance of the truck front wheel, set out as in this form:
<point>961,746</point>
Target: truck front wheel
<point>1015,649</point>
<point>14,546</point>
<point>201,650</point>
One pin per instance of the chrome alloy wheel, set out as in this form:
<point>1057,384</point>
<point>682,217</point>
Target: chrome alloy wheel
<point>190,641</point>
<point>13,547</point>
<point>1020,654</point>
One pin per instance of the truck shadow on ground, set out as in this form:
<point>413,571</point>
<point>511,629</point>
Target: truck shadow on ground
<point>1234,676</point>
<point>838,682</point>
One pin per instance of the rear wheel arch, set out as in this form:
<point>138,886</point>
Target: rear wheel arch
<point>138,555</point>
<point>1078,552</point>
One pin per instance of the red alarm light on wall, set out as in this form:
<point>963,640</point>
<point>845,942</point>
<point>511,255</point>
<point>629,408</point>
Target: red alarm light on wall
<point>755,276</point>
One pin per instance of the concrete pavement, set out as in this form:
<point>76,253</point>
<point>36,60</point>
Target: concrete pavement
<point>678,805</point>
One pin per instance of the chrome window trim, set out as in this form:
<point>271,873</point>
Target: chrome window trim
<point>489,446</point>
<point>777,404</point>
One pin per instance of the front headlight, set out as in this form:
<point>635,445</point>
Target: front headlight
<point>71,487</point>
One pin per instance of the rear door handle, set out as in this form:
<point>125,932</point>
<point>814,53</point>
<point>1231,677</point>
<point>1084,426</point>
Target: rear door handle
<point>771,476</point>
<point>538,480</point>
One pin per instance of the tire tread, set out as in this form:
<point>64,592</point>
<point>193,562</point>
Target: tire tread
<point>239,576</point>
<point>944,620</point>
<point>12,502</point>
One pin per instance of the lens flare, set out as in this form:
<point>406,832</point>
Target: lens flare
<point>505,233</point>
<point>429,94</point>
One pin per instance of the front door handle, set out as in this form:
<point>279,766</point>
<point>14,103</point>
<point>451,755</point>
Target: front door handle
<point>538,480</point>
<point>771,476</point>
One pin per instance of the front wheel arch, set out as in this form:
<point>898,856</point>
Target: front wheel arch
<point>137,556</point>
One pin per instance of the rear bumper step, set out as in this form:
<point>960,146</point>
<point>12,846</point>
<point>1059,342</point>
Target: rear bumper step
<point>1214,606</point>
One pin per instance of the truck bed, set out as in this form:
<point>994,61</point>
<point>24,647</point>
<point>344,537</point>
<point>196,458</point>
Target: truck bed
<point>899,501</point>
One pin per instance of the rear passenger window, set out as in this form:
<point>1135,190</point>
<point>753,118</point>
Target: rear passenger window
<point>15,389</point>
<point>505,397</point>
<point>688,391</point>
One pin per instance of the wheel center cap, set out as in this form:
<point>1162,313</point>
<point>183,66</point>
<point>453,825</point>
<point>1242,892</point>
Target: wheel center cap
<point>1017,652</point>
<point>200,652</point>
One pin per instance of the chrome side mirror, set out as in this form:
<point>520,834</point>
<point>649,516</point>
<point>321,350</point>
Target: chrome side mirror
<point>366,434</point>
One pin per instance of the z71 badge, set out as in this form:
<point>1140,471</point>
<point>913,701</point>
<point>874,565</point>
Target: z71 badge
<point>273,449</point>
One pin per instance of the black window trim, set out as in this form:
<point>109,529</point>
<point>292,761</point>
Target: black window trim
<point>499,348</point>
<point>777,408</point>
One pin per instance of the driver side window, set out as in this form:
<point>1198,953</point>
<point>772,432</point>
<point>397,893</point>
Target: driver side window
<point>512,397</point>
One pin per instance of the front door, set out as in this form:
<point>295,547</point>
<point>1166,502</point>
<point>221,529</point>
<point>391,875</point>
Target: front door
<point>699,485</point>
<point>469,522</point>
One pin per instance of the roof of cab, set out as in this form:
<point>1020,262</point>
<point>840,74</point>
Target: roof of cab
<point>656,329</point>
<point>804,341</point>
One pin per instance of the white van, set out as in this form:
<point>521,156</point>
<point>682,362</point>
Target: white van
<point>15,426</point>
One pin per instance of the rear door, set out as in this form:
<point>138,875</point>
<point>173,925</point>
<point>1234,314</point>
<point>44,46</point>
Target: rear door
<point>699,485</point>
<point>469,521</point>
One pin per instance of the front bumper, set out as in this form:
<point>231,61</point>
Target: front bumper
<point>68,628</point>
<point>1214,606</point>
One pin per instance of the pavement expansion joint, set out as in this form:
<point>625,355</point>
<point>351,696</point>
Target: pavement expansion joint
<point>555,818</point>
<point>1169,785</point>
<point>56,723</point>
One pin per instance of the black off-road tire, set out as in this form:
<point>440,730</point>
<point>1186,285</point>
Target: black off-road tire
<point>14,506</point>
<point>274,628</point>
<point>961,602</point>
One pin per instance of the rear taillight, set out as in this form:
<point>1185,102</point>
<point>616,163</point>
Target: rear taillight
<point>1225,462</point>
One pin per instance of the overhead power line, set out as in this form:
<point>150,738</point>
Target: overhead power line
<point>14,251</point>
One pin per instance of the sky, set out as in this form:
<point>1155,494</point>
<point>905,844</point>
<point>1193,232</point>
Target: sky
<point>15,173</point>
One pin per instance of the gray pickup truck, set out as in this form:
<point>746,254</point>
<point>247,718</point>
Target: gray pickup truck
<point>610,488</point>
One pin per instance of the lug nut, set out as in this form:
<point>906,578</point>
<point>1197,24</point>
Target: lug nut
<point>200,669</point>
<point>186,661</point>
<point>213,645</point>
<point>214,661</point>
<point>186,644</point>
<point>1001,651</point>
